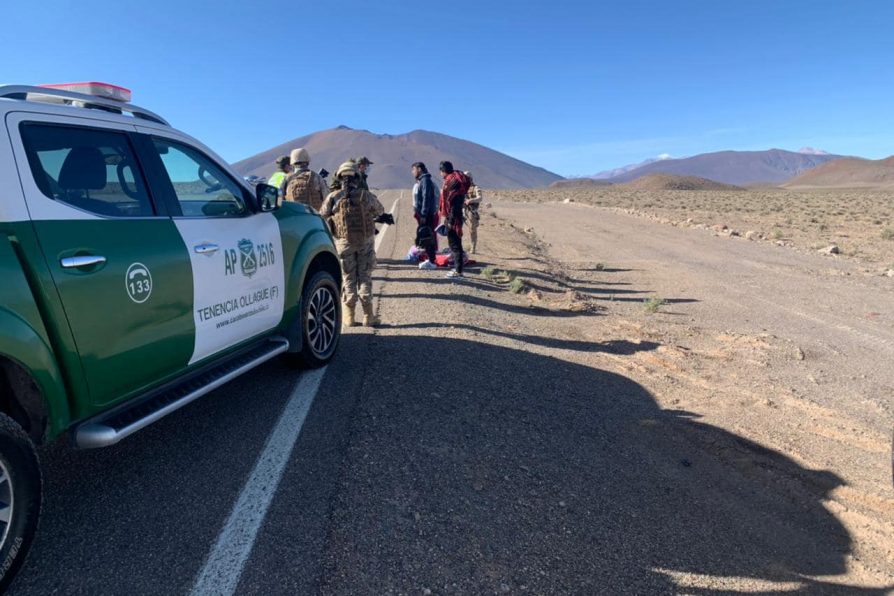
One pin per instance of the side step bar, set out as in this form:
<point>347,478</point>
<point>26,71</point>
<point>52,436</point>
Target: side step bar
<point>110,427</point>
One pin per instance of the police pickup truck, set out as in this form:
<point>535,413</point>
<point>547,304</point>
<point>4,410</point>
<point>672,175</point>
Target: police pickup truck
<point>139,272</point>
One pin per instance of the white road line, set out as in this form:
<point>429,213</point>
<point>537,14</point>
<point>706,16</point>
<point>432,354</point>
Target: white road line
<point>385,228</point>
<point>223,568</point>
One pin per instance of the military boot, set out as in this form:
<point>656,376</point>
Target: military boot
<point>348,315</point>
<point>369,318</point>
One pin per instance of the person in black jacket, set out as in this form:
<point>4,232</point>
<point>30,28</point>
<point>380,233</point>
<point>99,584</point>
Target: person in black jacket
<point>425,210</point>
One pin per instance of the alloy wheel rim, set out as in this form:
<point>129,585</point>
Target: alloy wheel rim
<point>322,323</point>
<point>6,503</point>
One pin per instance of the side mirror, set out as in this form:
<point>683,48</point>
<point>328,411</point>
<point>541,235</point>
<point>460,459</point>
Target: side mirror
<point>268,197</point>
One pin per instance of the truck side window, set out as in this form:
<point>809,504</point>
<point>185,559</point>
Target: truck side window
<point>202,188</point>
<point>91,169</point>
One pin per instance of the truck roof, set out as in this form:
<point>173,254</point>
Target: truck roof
<point>60,101</point>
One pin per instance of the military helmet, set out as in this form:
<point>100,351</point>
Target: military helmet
<point>300,155</point>
<point>282,161</point>
<point>364,160</point>
<point>348,167</point>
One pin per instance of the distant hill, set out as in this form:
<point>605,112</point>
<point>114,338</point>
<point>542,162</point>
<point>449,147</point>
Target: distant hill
<point>624,169</point>
<point>848,173</point>
<point>392,156</point>
<point>579,183</point>
<point>656,182</point>
<point>774,166</point>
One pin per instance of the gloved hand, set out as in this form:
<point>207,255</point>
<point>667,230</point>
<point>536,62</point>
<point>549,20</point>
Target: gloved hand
<point>385,218</point>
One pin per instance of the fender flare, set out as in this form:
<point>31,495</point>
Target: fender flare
<point>23,346</point>
<point>314,244</point>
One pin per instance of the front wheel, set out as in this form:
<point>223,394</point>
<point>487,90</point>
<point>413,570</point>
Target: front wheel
<point>20,496</point>
<point>320,320</point>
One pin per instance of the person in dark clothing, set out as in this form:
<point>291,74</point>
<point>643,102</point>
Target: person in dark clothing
<point>453,197</point>
<point>425,210</point>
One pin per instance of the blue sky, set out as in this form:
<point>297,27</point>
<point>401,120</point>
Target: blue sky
<point>576,87</point>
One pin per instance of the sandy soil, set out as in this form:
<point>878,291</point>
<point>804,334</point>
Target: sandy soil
<point>787,352</point>
<point>859,221</point>
<point>792,351</point>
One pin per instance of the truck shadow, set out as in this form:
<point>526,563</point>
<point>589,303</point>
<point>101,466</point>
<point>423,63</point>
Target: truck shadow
<point>618,347</point>
<point>431,461</point>
<point>482,467</point>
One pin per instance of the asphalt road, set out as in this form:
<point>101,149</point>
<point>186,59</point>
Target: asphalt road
<point>436,459</point>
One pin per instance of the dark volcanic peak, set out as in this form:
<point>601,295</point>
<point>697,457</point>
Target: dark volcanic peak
<point>740,168</point>
<point>392,156</point>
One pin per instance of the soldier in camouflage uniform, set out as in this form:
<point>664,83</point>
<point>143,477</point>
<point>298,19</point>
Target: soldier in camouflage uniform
<point>304,185</point>
<point>470,210</point>
<point>362,165</point>
<point>351,212</point>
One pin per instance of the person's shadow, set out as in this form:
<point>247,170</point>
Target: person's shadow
<point>484,468</point>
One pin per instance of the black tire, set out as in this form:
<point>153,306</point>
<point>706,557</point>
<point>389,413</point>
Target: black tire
<point>320,313</point>
<point>19,464</point>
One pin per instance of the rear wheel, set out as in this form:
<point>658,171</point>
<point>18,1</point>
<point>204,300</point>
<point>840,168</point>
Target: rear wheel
<point>320,320</point>
<point>20,495</point>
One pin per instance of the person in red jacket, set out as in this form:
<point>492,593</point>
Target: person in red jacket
<point>453,197</point>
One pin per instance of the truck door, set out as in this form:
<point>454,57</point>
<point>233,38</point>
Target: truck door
<point>116,258</point>
<point>236,253</point>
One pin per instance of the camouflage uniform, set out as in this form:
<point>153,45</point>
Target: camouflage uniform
<point>350,215</point>
<point>473,202</point>
<point>305,186</point>
<point>362,183</point>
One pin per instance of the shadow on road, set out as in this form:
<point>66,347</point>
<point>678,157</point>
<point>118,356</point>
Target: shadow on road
<point>481,468</point>
<point>618,347</point>
<point>534,311</point>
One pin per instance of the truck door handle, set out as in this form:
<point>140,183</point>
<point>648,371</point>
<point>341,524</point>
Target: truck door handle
<point>206,248</point>
<point>81,261</point>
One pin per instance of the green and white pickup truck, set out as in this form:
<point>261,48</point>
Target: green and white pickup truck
<point>138,272</point>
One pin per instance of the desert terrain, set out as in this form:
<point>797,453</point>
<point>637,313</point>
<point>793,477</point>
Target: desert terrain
<point>860,222</point>
<point>786,349</point>
<point>606,404</point>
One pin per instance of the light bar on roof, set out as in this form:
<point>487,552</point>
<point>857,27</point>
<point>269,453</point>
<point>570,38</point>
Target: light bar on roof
<point>104,90</point>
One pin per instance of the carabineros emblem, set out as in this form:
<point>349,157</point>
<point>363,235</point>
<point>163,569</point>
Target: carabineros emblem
<point>248,261</point>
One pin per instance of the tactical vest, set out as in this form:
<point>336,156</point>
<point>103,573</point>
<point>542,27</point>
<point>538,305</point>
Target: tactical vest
<point>352,219</point>
<point>299,188</point>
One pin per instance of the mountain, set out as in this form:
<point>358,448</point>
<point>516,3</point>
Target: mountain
<point>735,167</point>
<point>579,183</point>
<point>624,169</point>
<point>658,182</point>
<point>392,156</point>
<point>849,172</point>
<point>812,151</point>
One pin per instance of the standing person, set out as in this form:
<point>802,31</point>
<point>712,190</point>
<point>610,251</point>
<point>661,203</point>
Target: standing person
<point>283,169</point>
<point>351,212</point>
<point>473,202</point>
<point>363,169</point>
<point>453,196</point>
<point>303,185</point>
<point>425,210</point>
<point>335,183</point>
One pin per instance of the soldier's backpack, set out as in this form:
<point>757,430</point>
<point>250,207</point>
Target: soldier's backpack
<point>351,218</point>
<point>300,189</point>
